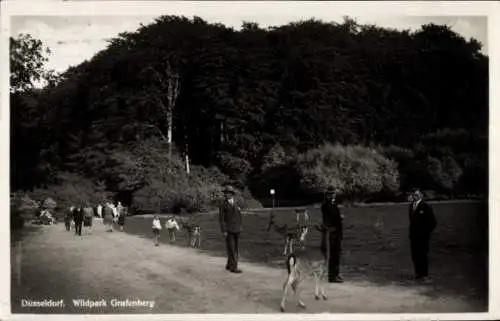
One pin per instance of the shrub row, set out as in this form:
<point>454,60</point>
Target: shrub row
<point>374,173</point>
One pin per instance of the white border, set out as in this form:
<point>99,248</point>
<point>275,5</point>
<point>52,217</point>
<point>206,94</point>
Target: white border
<point>389,8</point>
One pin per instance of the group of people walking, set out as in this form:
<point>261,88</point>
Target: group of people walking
<point>422,223</point>
<point>84,216</point>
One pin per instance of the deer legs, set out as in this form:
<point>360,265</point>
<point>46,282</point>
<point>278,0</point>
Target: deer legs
<point>289,242</point>
<point>319,287</point>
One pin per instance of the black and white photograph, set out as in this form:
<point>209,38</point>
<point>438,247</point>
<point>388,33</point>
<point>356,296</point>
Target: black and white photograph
<point>290,158</point>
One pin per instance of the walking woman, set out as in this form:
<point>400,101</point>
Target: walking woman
<point>88,217</point>
<point>107,219</point>
<point>68,217</point>
<point>121,215</point>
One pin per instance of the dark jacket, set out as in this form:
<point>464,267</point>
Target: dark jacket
<point>331,215</point>
<point>422,220</point>
<point>78,214</point>
<point>68,215</point>
<point>229,218</point>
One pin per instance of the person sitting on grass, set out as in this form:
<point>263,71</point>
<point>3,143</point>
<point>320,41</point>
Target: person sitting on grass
<point>156,229</point>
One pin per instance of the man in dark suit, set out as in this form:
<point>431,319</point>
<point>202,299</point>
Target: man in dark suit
<point>422,224</point>
<point>332,221</point>
<point>230,224</point>
<point>78,218</point>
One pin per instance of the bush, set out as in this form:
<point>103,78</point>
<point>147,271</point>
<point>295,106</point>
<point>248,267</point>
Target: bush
<point>405,160</point>
<point>170,189</point>
<point>356,172</point>
<point>22,208</point>
<point>236,168</point>
<point>444,174</point>
<point>278,172</point>
<point>474,178</point>
<point>275,157</point>
<point>435,168</point>
<point>71,189</point>
<point>49,204</point>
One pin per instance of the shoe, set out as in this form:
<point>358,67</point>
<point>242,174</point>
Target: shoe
<point>337,279</point>
<point>424,280</point>
<point>227,268</point>
<point>236,271</point>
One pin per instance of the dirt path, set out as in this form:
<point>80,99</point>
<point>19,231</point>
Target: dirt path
<point>58,265</point>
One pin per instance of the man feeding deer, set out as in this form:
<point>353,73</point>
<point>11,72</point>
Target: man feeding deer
<point>230,220</point>
<point>332,221</point>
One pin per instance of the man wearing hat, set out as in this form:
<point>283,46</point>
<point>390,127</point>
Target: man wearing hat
<point>230,225</point>
<point>422,224</point>
<point>332,221</point>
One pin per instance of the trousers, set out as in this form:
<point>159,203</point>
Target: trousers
<point>419,255</point>
<point>78,227</point>
<point>334,255</point>
<point>232,248</point>
<point>67,224</point>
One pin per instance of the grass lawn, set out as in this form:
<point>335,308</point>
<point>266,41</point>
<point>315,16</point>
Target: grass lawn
<point>459,248</point>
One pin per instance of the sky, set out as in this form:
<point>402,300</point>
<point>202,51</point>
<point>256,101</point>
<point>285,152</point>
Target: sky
<point>73,39</point>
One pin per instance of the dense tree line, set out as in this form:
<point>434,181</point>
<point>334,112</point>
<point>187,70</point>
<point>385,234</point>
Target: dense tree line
<point>419,98</point>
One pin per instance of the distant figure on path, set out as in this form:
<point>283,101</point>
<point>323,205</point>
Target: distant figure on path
<point>121,215</point>
<point>230,220</point>
<point>332,221</point>
<point>88,217</point>
<point>78,216</point>
<point>108,217</point>
<point>115,211</point>
<point>172,227</point>
<point>99,210</point>
<point>422,224</point>
<point>156,229</point>
<point>68,217</point>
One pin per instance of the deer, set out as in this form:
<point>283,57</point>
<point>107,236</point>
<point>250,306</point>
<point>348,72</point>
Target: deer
<point>193,231</point>
<point>299,266</point>
<point>292,234</point>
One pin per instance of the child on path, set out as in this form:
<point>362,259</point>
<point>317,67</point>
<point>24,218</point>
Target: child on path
<point>156,229</point>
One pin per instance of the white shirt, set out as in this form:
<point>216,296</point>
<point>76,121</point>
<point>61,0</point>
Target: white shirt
<point>99,210</point>
<point>171,224</point>
<point>157,224</point>
<point>416,204</point>
<point>115,211</point>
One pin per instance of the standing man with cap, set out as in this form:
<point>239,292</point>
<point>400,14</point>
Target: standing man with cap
<point>422,224</point>
<point>332,221</point>
<point>230,219</point>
